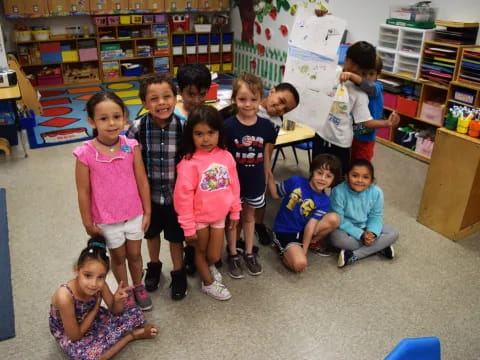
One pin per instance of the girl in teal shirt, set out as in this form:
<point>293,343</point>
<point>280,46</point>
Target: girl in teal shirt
<point>359,203</point>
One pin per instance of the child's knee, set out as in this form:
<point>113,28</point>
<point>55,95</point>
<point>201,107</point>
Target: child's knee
<point>213,259</point>
<point>299,265</point>
<point>136,256</point>
<point>333,220</point>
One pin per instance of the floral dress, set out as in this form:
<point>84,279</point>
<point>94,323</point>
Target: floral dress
<point>106,330</point>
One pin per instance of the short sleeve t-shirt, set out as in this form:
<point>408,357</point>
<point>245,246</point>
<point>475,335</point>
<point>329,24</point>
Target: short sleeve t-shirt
<point>375,105</point>
<point>247,145</point>
<point>300,204</point>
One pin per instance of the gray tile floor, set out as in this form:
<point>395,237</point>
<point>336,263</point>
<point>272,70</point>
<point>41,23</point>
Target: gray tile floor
<point>359,312</point>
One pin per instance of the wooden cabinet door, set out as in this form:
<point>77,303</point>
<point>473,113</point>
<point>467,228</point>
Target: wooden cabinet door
<point>207,4</point>
<point>58,7</point>
<point>108,6</point>
<point>137,5</point>
<point>180,5</point>
<point>79,6</point>
<point>223,4</point>
<point>156,5</point>
<point>14,7</point>
<point>36,8</point>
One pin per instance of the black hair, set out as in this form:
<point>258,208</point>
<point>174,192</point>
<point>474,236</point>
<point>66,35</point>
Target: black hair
<point>96,250</point>
<point>285,86</point>
<point>100,97</point>
<point>329,162</point>
<point>365,163</point>
<point>363,54</point>
<point>378,64</point>
<point>197,75</point>
<point>155,79</point>
<point>202,114</point>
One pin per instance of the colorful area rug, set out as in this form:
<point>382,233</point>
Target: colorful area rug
<point>64,118</point>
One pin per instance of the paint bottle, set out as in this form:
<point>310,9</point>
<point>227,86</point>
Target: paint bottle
<point>463,122</point>
<point>451,120</point>
<point>474,128</point>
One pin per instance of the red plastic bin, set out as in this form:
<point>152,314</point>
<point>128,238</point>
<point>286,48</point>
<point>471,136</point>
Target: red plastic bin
<point>214,58</point>
<point>202,59</point>
<point>407,106</point>
<point>50,80</point>
<point>49,47</point>
<point>191,59</point>
<point>390,100</point>
<point>227,57</point>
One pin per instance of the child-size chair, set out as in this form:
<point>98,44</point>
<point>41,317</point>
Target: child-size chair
<point>424,348</point>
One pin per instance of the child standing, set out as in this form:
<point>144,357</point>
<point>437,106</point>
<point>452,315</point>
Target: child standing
<point>250,140</point>
<point>193,81</point>
<point>207,189</point>
<point>359,203</point>
<point>365,133</point>
<point>83,328</point>
<point>303,217</point>
<point>106,166</point>
<point>159,132</point>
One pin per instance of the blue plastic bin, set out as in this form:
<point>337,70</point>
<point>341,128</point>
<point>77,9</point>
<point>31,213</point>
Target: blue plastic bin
<point>203,39</point>
<point>424,348</point>
<point>177,39</point>
<point>214,38</point>
<point>190,39</point>
<point>227,38</point>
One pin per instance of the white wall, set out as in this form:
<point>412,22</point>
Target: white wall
<point>363,17</point>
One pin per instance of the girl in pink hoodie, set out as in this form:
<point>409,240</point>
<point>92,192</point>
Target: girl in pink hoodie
<point>206,190</point>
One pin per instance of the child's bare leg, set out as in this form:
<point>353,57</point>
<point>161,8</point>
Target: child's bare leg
<point>214,248</point>
<point>201,262</point>
<point>135,263</point>
<point>232,236</point>
<point>176,253</point>
<point>138,332</point>
<point>294,258</point>
<point>248,226</point>
<point>119,268</point>
<point>153,245</point>
<point>325,226</point>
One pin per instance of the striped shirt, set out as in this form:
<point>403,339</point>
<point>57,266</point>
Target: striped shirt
<point>159,153</point>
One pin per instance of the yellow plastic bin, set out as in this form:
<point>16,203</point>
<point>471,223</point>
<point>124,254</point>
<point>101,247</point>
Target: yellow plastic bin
<point>125,19</point>
<point>69,55</point>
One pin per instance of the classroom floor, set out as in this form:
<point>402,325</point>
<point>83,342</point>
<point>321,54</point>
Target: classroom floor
<point>360,312</point>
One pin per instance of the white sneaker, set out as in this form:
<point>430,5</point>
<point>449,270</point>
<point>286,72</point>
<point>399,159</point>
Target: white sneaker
<point>215,273</point>
<point>217,290</point>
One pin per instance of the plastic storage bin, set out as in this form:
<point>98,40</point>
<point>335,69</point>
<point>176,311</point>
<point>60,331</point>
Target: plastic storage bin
<point>49,80</point>
<point>203,39</point>
<point>51,57</point>
<point>88,54</point>
<point>432,112</point>
<point>190,39</point>
<point>227,38</point>
<point>212,92</point>
<point>383,133</point>
<point>407,106</point>
<point>390,100</point>
<point>69,56</point>
<point>49,47</point>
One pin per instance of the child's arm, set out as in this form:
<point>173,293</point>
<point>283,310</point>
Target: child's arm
<point>63,301</point>
<point>82,178</point>
<point>392,121</point>
<point>143,187</point>
<point>115,301</point>
<point>272,187</point>
<point>183,199</point>
<point>269,147</point>
<point>375,216</point>
<point>367,86</point>
<point>338,202</point>
<point>236,207</point>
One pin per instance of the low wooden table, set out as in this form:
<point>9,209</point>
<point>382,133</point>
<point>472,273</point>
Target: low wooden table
<point>298,135</point>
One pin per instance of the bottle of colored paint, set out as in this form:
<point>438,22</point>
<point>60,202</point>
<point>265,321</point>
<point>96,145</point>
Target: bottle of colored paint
<point>451,120</point>
<point>463,122</point>
<point>474,128</point>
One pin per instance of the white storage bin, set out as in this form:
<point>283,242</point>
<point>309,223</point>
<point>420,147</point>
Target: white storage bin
<point>191,49</point>
<point>215,48</point>
<point>202,49</point>
<point>227,47</point>
<point>177,50</point>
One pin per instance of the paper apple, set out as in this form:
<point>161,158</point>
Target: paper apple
<point>273,13</point>
<point>258,28</point>
<point>261,49</point>
<point>268,34</point>
<point>284,30</point>
<point>253,64</point>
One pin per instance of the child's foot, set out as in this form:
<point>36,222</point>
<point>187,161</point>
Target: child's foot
<point>388,252</point>
<point>149,331</point>
<point>152,278</point>
<point>141,298</point>
<point>130,300</point>
<point>318,249</point>
<point>235,267</point>
<point>215,273</point>
<point>179,284</point>
<point>253,266</point>
<point>217,290</point>
<point>346,257</point>
<point>264,234</point>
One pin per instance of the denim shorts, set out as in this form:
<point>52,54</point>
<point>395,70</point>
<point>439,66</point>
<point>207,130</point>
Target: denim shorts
<point>164,218</point>
<point>285,240</point>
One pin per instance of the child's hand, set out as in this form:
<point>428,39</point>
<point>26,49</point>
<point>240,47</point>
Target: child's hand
<point>232,224</point>
<point>146,222</point>
<point>190,240</point>
<point>393,120</point>
<point>368,238</point>
<point>93,230</point>
<point>121,292</point>
<point>99,301</point>
<point>344,76</point>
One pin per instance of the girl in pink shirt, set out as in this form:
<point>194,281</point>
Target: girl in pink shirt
<point>113,191</point>
<point>206,190</point>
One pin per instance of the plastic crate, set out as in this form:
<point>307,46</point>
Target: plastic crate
<point>88,54</point>
<point>203,39</point>
<point>432,113</point>
<point>227,38</point>
<point>177,39</point>
<point>190,39</point>
<point>407,106</point>
<point>132,72</point>
<point>113,20</point>
<point>214,38</point>
<point>51,57</point>
<point>125,19</point>
<point>69,56</point>
<point>50,47</point>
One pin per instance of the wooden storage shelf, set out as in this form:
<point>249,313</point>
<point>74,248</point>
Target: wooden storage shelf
<point>469,71</point>
<point>403,149</point>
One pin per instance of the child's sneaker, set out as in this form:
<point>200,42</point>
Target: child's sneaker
<point>253,266</point>
<point>215,273</point>
<point>388,252</point>
<point>130,300</point>
<point>217,290</point>
<point>178,284</point>
<point>264,234</point>
<point>318,249</point>
<point>152,278</point>
<point>235,267</point>
<point>346,257</point>
<point>141,298</point>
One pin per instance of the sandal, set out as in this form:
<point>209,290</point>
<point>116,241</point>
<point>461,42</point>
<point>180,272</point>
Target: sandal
<point>146,334</point>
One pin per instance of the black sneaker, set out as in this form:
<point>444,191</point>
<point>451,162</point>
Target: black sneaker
<point>346,257</point>
<point>189,260</point>
<point>388,252</point>
<point>178,284</point>
<point>241,247</point>
<point>219,264</point>
<point>264,234</point>
<point>235,267</point>
<point>152,278</point>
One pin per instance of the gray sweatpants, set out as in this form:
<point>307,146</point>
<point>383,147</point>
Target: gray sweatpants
<point>340,239</point>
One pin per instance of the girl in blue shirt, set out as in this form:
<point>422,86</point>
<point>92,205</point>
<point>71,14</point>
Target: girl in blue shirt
<point>304,218</point>
<point>359,203</point>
